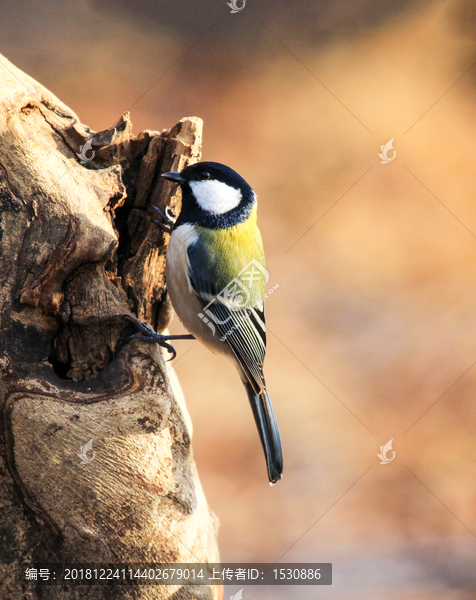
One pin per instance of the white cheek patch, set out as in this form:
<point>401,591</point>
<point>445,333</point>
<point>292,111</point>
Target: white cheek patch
<point>215,196</point>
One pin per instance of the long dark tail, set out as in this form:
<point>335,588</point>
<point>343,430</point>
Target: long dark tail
<point>268,431</point>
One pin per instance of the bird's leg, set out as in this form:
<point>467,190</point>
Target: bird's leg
<point>169,220</point>
<point>149,335</point>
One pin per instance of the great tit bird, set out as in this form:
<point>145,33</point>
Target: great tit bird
<point>215,278</point>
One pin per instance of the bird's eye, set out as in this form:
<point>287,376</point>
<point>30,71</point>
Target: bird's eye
<point>204,175</point>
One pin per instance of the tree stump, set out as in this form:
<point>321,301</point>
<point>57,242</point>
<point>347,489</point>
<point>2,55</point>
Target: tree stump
<point>94,432</point>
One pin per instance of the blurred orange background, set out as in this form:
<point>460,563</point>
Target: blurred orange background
<point>372,330</point>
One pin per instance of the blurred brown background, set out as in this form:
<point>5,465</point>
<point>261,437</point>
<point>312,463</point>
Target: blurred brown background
<point>374,320</point>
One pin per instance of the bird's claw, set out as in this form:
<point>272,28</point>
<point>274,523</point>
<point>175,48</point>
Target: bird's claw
<point>147,334</point>
<point>169,220</point>
<point>157,338</point>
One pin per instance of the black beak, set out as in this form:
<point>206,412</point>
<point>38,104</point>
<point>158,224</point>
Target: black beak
<point>175,177</point>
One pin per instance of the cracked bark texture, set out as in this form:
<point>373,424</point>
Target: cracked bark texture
<point>78,250</point>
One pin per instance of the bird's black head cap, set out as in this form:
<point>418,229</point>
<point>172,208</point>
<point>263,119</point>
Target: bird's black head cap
<point>213,195</point>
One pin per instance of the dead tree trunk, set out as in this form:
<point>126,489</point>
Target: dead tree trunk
<point>78,250</point>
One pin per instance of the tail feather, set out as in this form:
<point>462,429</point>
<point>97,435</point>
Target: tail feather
<point>268,431</point>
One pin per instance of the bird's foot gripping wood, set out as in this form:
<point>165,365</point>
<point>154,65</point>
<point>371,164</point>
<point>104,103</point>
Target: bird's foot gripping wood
<point>149,335</point>
<point>168,226</point>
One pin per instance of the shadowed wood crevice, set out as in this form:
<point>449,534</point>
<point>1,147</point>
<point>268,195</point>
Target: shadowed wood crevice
<point>137,266</point>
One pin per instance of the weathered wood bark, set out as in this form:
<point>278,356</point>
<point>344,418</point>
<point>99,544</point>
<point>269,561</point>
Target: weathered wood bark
<point>78,250</point>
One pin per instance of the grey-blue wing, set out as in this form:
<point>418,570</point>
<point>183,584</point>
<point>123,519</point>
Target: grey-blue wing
<point>238,323</point>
